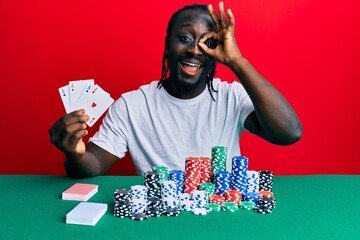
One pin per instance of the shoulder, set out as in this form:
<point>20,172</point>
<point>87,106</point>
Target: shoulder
<point>141,92</point>
<point>228,88</point>
<point>147,88</point>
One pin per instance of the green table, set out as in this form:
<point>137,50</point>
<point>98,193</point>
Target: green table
<point>308,207</point>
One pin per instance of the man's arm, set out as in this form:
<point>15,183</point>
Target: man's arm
<point>96,161</point>
<point>80,161</point>
<point>273,119</point>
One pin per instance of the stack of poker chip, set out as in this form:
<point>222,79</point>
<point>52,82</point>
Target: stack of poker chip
<point>208,187</point>
<point>229,207</point>
<point>205,169</point>
<point>153,184</point>
<point>238,177</point>
<point>200,211</point>
<point>178,177</point>
<point>163,171</point>
<point>221,181</point>
<point>266,180</point>
<point>199,197</point>
<point>123,205</point>
<point>216,199</point>
<point>139,199</point>
<point>155,207</point>
<point>219,158</point>
<point>246,205</point>
<point>169,194</point>
<point>168,189</point>
<point>265,205</point>
<point>186,203</point>
<point>232,196</point>
<point>250,197</point>
<point>252,180</point>
<point>192,174</point>
<point>213,207</point>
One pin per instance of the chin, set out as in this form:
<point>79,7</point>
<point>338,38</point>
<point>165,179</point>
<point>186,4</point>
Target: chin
<point>187,82</point>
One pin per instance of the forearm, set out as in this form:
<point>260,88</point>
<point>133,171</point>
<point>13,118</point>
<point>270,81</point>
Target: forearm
<point>87,166</point>
<point>277,118</point>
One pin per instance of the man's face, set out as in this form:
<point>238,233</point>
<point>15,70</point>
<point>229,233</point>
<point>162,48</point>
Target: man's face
<point>189,66</point>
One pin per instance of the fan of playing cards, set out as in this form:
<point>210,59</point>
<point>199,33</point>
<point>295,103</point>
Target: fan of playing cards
<point>85,94</point>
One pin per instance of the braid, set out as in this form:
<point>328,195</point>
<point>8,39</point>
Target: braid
<point>209,82</point>
<point>165,65</point>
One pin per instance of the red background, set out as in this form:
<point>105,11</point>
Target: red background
<point>309,49</point>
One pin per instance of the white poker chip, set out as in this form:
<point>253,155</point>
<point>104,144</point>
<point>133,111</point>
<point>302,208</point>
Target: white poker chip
<point>200,211</point>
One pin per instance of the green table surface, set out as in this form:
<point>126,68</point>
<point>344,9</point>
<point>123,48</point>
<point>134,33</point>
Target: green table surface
<point>308,207</point>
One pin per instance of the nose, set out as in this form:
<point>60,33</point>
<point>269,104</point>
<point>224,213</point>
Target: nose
<point>194,49</point>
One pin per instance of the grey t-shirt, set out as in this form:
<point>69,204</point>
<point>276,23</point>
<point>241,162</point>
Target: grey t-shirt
<point>159,129</point>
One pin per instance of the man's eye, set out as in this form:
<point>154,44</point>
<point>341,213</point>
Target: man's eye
<point>211,43</point>
<point>185,38</point>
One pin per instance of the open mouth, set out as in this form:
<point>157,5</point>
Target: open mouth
<point>190,68</point>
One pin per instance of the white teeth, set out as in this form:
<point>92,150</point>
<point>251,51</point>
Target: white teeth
<point>192,64</point>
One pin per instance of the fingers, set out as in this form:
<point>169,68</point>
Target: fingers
<point>206,45</point>
<point>69,130</point>
<point>214,17</point>
<point>223,20</point>
<point>231,20</point>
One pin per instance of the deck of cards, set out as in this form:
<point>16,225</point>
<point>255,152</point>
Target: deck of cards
<point>85,94</point>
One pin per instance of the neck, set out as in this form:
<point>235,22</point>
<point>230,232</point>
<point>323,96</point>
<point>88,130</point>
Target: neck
<point>183,91</point>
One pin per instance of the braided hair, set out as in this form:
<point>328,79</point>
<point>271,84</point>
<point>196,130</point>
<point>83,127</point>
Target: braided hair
<point>165,65</point>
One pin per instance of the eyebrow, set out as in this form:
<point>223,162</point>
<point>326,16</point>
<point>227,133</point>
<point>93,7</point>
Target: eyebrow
<point>209,25</point>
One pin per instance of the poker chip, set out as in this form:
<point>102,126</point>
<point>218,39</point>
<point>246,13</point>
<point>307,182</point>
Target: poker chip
<point>221,181</point>
<point>247,205</point>
<point>213,207</point>
<point>204,187</point>
<point>266,180</point>
<point>217,199</point>
<point>172,212</point>
<point>229,207</point>
<point>178,177</point>
<point>163,171</point>
<point>238,175</point>
<point>252,181</point>
<point>205,169</point>
<point>208,187</point>
<point>152,182</point>
<point>219,158</point>
<point>264,193</point>
<point>139,216</point>
<point>263,210</point>
<point>200,211</point>
<point>232,196</point>
<point>154,212</point>
<point>192,174</point>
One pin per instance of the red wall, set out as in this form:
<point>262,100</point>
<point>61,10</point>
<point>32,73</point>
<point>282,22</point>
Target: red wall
<point>309,49</point>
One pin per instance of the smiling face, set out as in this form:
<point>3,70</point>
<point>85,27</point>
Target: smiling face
<point>189,66</point>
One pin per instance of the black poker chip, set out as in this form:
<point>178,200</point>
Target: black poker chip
<point>263,210</point>
<point>139,216</point>
<point>154,212</point>
<point>172,212</point>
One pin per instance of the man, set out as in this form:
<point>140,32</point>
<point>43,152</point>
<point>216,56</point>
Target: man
<point>187,111</point>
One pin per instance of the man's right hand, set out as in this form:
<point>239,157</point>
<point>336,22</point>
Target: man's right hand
<point>67,133</point>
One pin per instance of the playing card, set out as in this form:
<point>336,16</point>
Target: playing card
<point>76,89</point>
<point>85,95</point>
<point>95,103</point>
<point>65,97</point>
